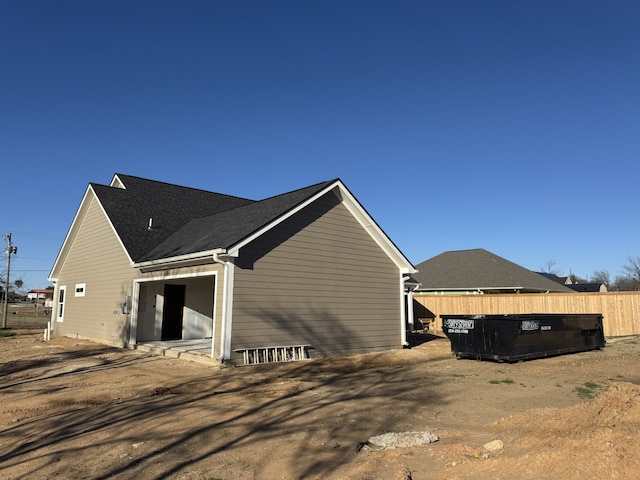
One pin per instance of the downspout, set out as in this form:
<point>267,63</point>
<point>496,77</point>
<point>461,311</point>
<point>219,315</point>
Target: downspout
<point>133,315</point>
<point>411,319</point>
<point>227,299</point>
<point>403,309</point>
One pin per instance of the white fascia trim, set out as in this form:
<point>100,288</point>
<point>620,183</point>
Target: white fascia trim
<point>74,227</point>
<point>374,230</point>
<point>233,251</point>
<point>180,258</point>
<point>117,183</point>
<point>173,277</point>
<point>357,211</point>
<point>68,235</point>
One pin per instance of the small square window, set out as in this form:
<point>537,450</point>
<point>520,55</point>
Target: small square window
<point>80,289</point>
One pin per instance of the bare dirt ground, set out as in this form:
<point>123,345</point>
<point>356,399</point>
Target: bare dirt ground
<point>72,409</point>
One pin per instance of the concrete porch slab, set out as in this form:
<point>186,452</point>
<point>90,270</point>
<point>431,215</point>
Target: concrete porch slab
<point>196,350</point>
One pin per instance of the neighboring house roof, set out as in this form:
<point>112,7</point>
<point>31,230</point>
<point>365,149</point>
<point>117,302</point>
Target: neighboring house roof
<point>588,287</point>
<point>556,278</point>
<point>158,222</point>
<point>480,270</point>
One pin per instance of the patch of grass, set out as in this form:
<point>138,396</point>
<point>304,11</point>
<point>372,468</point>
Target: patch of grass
<point>496,382</point>
<point>439,359</point>
<point>22,318</point>
<point>7,333</point>
<point>588,389</point>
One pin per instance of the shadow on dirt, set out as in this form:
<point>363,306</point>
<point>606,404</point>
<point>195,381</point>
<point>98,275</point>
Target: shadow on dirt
<point>415,339</point>
<point>67,363</point>
<point>199,422</point>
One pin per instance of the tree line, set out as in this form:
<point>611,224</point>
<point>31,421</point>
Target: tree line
<point>629,280</point>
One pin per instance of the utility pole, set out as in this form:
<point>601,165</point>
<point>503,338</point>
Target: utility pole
<point>9,251</point>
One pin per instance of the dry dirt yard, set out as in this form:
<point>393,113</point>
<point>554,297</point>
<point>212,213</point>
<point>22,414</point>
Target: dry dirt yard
<point>73,409</point>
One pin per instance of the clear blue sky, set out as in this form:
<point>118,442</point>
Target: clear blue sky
<point>505,125</point>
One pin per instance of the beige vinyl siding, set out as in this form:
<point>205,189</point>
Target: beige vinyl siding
<point>320,279</point>
<point>98,260</point>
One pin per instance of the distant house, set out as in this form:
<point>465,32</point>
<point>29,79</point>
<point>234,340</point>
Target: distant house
<point>588,287</point>
<point>478,271</point>
<point>40,294</point>
<point>578,287</point>
<point>556,278</point>
<point>43,296</point>
<point>147,261</point>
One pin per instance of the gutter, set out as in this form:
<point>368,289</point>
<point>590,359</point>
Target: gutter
<point>173,262</point>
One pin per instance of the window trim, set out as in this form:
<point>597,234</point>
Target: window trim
<point>81,289</point>
<point>62,295</point>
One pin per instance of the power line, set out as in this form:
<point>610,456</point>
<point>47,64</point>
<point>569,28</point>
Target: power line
<point>22,270</point>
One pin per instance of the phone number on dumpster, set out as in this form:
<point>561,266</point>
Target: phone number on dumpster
<point>458,325</point>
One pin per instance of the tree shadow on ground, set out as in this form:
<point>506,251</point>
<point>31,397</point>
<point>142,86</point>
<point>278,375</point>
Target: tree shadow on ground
<point>62,364</point>
<point>325,407</point>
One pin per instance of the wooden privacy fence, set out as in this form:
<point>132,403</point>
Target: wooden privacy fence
<point>620,310</point>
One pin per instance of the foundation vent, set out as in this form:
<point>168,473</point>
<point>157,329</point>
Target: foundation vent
<point>260,355</point>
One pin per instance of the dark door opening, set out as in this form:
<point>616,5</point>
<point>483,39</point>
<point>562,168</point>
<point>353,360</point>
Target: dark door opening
<point>172,312</point>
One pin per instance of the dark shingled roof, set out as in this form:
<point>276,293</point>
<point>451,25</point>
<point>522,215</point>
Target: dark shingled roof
<point>227,228</point>
<point>479,269</point>
<point>186,220</point>
<point>585,287</point>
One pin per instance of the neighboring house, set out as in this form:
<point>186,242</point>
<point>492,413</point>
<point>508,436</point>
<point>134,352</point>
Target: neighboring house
<point>578,287</point>
<point>478,271</point>
<point>588,287</point>
<point>145,261</point>
<point>46,296</point>
<point>556,278</point>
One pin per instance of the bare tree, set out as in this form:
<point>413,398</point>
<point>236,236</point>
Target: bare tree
<point>549,267</point>
<point>631,278</point>
<point>632,267</point>
<point>623,283</point>
<point>601,276</point>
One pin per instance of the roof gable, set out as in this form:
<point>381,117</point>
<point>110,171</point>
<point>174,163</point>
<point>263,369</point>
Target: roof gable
<point>144,213</point>
<point>479,269</point>
<point>227,228</point>
<point>159,223</point>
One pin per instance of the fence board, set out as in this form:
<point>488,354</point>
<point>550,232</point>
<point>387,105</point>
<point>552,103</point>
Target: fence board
<point>620,310</point>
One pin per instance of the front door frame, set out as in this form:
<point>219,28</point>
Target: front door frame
<point>135,301</point>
